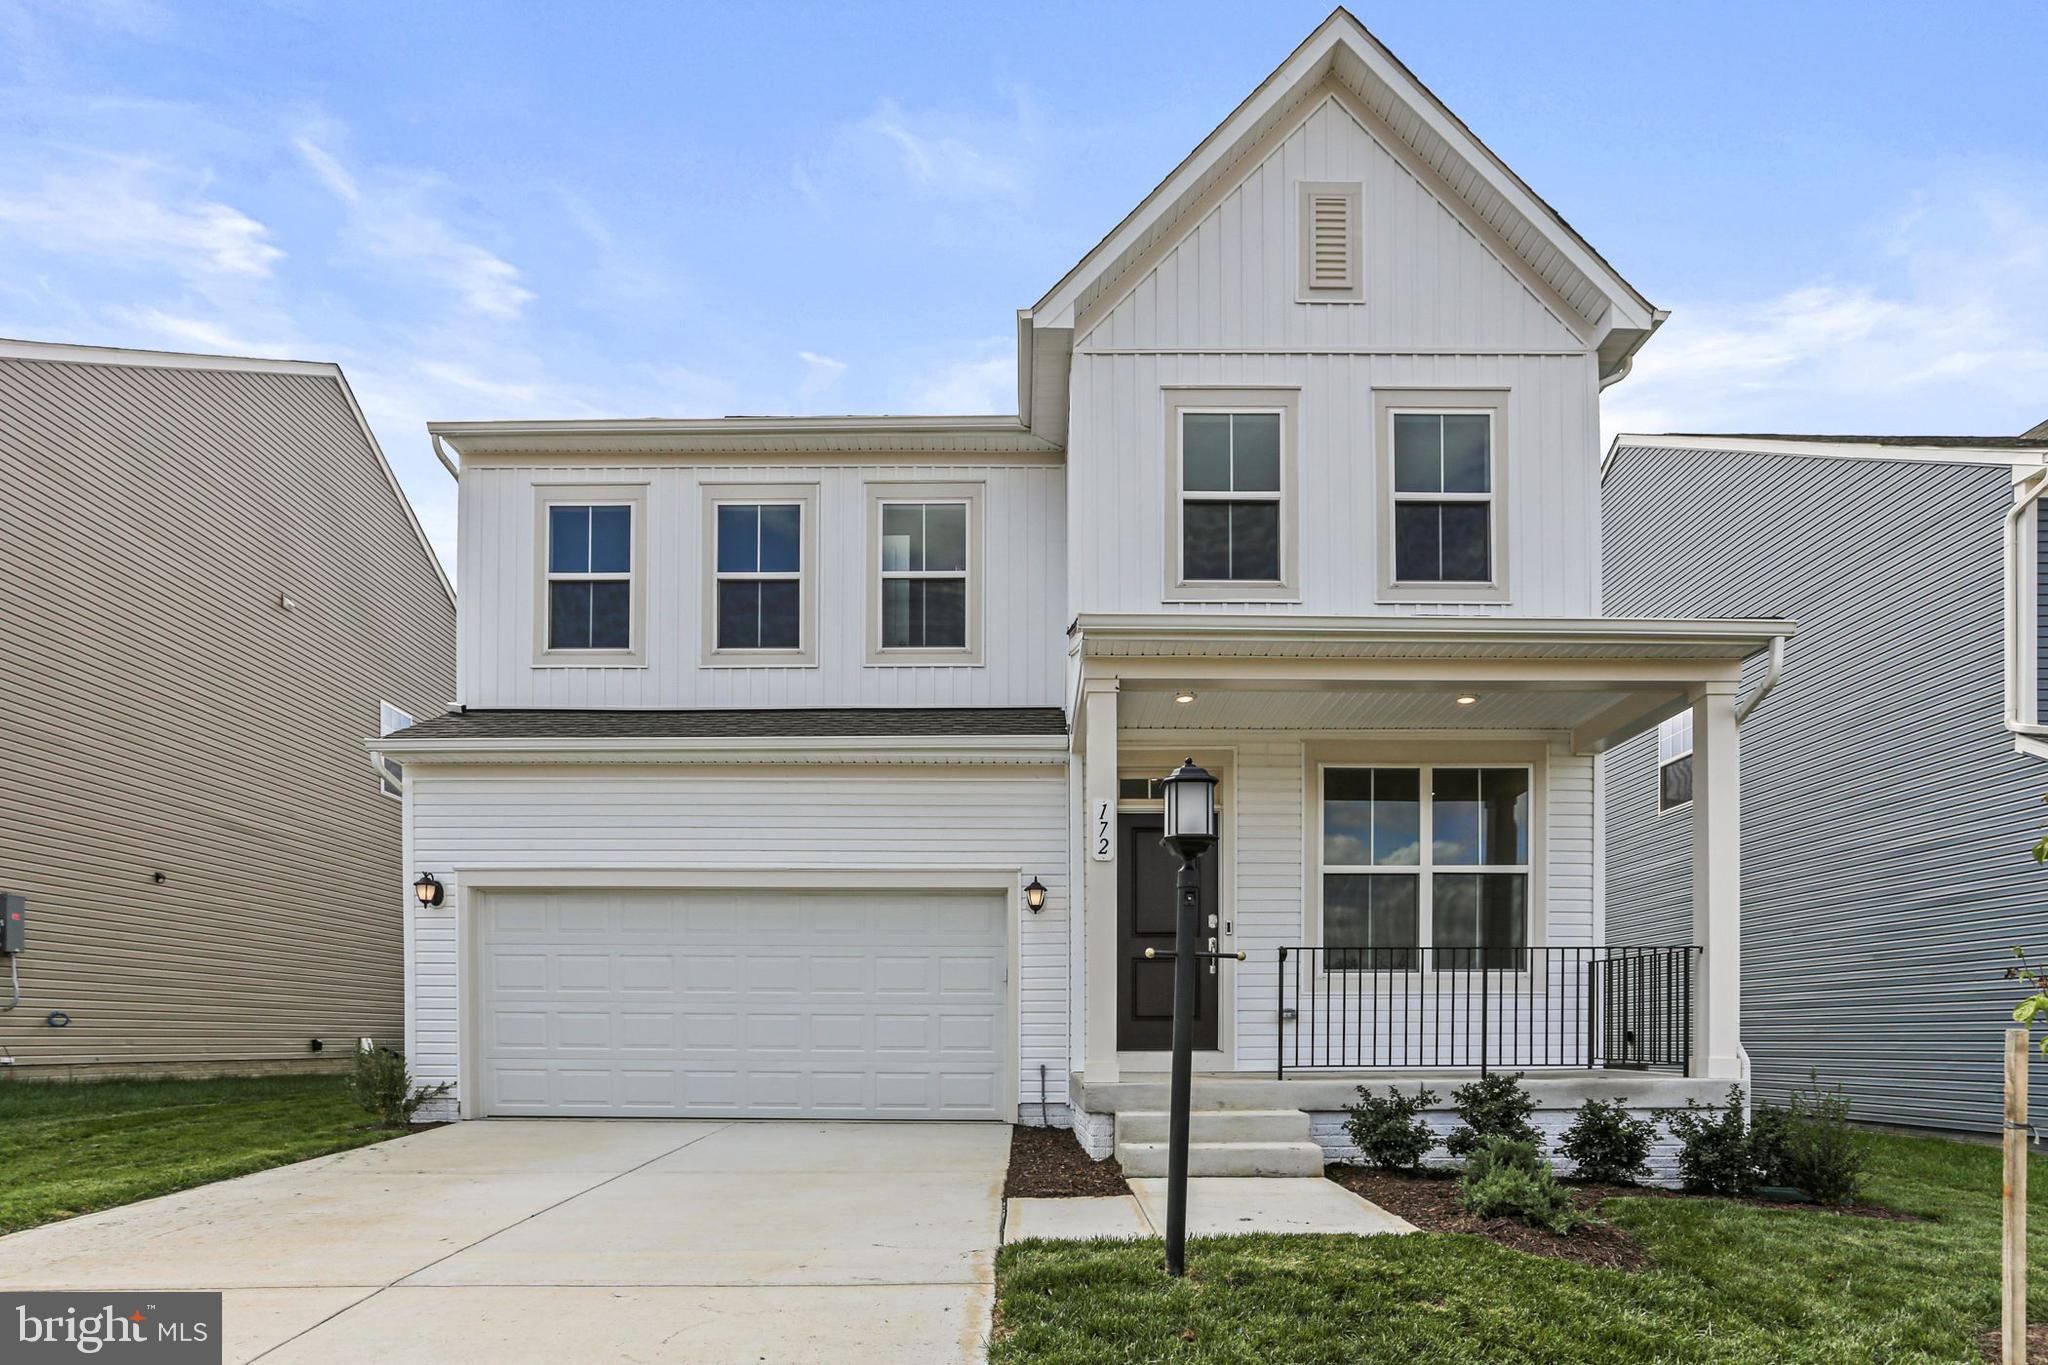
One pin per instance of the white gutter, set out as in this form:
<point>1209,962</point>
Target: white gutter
<point>441,454</point>
<point>1771,676</point>
<point>787,749</point>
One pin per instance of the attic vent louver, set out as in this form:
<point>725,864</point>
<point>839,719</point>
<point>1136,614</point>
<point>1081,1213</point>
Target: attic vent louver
<point>1329,242</point>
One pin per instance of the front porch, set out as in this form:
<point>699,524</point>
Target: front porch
<point>1410,855</point>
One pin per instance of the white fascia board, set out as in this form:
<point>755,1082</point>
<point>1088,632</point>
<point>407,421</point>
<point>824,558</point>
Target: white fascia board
<point>65,352</point>
<point>972,434</point>
<point>1544,631</point>
<point>785,750</point>
<point>1834,450</point>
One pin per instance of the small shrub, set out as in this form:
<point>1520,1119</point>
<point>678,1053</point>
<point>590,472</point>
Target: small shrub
<point>1770,1142</point>
<point>1492,1106</point>
<point>1389,1132</point>
<point>1508,1178</point>
<point>383,1087</point>
<point>1715,1154</point>
<point>1609,1144</point>
<point>1820,1153</point>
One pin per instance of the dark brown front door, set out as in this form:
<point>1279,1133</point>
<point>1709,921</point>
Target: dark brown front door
<point>1145,873</point>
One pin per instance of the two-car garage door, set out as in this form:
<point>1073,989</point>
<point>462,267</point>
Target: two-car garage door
<point>743,1004</point>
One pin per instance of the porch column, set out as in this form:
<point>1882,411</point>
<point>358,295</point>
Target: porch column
<point>1098,876</point>
<point>1716,884</point>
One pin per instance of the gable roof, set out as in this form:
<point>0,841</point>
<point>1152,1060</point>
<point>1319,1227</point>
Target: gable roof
<point>1343,52</point>
<point>68,354</point>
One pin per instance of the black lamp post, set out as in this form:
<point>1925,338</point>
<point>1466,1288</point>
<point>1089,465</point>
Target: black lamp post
<point>1190,832</point>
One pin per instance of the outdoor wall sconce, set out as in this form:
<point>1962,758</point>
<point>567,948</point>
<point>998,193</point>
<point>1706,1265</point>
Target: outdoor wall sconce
<point>427,889</point>
<point>1034,895</point>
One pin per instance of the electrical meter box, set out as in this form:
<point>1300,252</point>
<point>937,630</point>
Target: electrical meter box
<point>13,921</point>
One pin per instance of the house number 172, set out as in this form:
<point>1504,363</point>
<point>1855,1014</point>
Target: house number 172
<point>1102,835</point>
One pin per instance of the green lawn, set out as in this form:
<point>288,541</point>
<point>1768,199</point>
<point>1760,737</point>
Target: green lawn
<point>71,1147</point>
<point>1729,1283</point>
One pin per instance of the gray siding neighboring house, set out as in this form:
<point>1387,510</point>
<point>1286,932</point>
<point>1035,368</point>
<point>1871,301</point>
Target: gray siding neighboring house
<point>1887,819</point>
<point>209,581</point>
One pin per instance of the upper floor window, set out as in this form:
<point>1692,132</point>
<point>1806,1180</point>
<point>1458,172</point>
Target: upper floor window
<point>1231,459</point>
<point>760,575</point>
<point>1425,867</point>
<point>924,573</point>
<point>1674,762</point>
<point>590,576</point>
<point>1442,477</point>
<point>760,572</point>
<point>390,720</point>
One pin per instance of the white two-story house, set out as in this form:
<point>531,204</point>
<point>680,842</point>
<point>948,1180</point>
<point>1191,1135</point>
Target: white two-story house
<point>768,726</point>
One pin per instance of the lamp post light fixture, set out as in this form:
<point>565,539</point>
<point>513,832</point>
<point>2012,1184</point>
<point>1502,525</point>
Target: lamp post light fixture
<point>1034,895</point>
<point>1190,792</point>
<point>427,889</point>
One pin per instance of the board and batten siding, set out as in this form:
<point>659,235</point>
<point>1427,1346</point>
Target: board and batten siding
<point>1023,630</point>
<point>164,714</point>
<point>882,819</point>
<point>1886,820</point>
<point>1116,502</point>
<point>1273,822</point>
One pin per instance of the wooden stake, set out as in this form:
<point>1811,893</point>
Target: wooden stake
<point>2013,1311</point>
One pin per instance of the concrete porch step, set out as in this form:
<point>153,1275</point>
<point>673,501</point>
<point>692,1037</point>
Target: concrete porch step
<point>1215,1125</point>
<point>1148,1159</point>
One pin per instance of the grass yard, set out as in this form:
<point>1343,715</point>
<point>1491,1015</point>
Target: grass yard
<point>72,1147</point>
<point>1727,1282</point>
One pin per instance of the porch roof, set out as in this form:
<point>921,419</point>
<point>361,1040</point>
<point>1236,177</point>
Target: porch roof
<point>1255,636</point>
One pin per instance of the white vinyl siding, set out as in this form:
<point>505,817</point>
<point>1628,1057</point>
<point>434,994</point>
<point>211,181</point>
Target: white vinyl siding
<point>1021,584</point>
<point>869,821</point>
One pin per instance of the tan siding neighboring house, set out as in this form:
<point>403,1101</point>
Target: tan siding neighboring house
<point>165,714</point>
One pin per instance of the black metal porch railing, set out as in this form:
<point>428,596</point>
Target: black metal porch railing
<point>1520,1008</point>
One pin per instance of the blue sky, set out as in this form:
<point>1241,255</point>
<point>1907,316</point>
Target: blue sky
<point>498,210</point>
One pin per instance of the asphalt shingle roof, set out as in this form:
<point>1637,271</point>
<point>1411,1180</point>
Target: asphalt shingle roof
<point>881,723</point>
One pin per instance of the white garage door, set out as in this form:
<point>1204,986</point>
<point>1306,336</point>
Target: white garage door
<point>744,1004</point>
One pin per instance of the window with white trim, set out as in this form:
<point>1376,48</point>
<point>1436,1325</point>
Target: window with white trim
<point>590,576</point>
<point>924,575</point>
<point>759,573</point>
<point>1230,512</point>
<point>1443,497</point>
<point>1674,762</point>
<point>1425,867</point>
<point>390,720</point>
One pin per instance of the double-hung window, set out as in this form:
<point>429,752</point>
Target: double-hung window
<point>760,569</point>
<point>924,575</point>
<point>1230,494</point>
<point>1443,489</point>
<point>1425,867</point>
<point>1674,762</point>
<point>590,577</point>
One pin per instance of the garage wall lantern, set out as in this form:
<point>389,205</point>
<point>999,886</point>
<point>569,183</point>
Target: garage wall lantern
<point>427,889</point>
<point>1034,895</point>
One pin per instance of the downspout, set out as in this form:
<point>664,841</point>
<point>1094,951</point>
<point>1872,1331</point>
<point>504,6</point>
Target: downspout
<point>1771,676</point>
<point>2029,492</point>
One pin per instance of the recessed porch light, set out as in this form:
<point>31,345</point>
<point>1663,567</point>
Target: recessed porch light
<point>1183,696</point>
<point>1467,699</point>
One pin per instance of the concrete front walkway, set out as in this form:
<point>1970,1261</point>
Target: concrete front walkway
<point>570,1240</point>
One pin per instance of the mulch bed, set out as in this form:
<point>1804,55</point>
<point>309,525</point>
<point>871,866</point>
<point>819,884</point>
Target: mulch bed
<point>1429,1200</point>
<point>1047,1163</point>
<point>1993,1342</point>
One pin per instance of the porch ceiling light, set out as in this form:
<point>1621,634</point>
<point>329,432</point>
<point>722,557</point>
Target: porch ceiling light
<point>427,889</point>
<point>1183,696</point>
<point>1034,895</point>
<point>1190,792</point>
<point>1467,699</point>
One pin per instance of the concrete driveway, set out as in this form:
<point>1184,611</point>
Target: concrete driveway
<point>570,1240</point>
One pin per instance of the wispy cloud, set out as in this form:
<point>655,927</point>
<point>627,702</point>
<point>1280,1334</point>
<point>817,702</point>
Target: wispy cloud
<point>951,153</point>
<point>391,224</point>
<point>821,372</point>
<point>984,381</point>
<point>1936,324</point>
<point>135,210</point>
